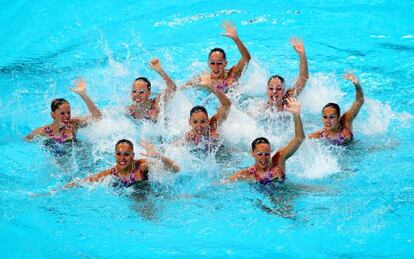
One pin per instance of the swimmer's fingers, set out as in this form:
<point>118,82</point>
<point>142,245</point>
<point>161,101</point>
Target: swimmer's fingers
<point>292,105</point>
<point>297,45</point>
<point>80,86</point>
<point>151,155</point>
<point>155,64</point>
<point>349,75</point>
<point>150,149</point>
<point>230,30</point>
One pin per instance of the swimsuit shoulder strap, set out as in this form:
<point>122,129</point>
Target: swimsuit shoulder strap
<point>252,170</point>
<point>48,130</point>
<point>114,171</point>
<point>323,133</point>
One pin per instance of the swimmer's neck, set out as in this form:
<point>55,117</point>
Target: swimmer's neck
<point>205,135</point>
<point>276,104</point>
<point>335,130</point>
<point>143,105</point>
<point>220,78</point>
<point>126,171</point>
<point>260,170</point>
<point>57,126</point>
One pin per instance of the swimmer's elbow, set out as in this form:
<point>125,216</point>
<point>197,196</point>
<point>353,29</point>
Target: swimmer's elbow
<point>299,139</point>
<point>176,168</point>
<point>247,58</point>
<point>362,99</point>
<point>97,116</point>
<point>227,104</point>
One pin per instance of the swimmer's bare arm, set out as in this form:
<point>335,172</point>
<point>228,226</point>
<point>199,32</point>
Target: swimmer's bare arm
<point>231,32</point>
<point>303,67</point>
<point>99,177</point>
<point>35,133</point>
<point>96,114</point>
<point>152,152</point>
<point>350,115</point>
<point>284,153</point>
<point>225,104</point>
<point>155,64</point>
<point>242,175</point>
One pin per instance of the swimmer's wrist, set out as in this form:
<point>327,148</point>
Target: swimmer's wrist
<point>157,156</point>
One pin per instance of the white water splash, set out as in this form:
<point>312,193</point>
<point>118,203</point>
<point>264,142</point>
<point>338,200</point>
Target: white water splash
<point>320,90</point>
<point>380,116</point>
<point>317,160</point>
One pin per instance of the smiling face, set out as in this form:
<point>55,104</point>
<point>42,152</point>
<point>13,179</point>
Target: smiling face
<point>262,155</point>
<point>217,64</point>
<point>140,91</point>
<point>62,114</point>
<point>330,118</point>
<point>275,90</point>
<point>199,123</point>
<point>124,156</point>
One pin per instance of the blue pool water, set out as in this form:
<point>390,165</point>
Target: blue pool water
<point>337,202</point>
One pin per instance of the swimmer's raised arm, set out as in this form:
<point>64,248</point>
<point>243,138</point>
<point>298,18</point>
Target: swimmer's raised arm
<point>350,115</point>
<point>231,32</point>
<point>152,152</point>
<point>284,153</point>
<point>96,114</point>
<point>225,104</point>
<point>155,64</point>
<point>303,68</point>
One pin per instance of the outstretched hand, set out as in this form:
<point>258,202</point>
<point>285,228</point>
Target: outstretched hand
<point>297,45</point>
<point>150,149</point>
<point>155,64</point>
<point>80,87</point>
<point>230,30</point>
<point>292,106</point>
<point>351,77</point>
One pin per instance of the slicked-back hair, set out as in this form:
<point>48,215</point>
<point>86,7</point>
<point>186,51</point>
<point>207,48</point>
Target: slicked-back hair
<point>218,50</point>
<point>335,106</point>
<point>124,141</point>
<point>145,80</point>
<point>276,76</point>
<point>198,108</point>
<point>56,103</point>
<point>260,140</point>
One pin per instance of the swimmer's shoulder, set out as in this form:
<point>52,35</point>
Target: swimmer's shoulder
<point>38,132</point>
<point>315,135</point>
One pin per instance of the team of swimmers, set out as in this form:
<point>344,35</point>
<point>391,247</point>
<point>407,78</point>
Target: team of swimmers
<point>205,130</point>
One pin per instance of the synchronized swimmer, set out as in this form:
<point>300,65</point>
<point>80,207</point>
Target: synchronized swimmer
<point>205,131</point>
<point>143,107</point>
<point>219,77</point>
<point>128,171</point>
<point>276,92</point>
<point>64,127</point>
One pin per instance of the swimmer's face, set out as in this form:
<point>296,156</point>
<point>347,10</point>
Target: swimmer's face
<point>62,114</point>
<point>275,90</point>
<point>217,63</point>
<point>262,154</point>
<point>124,156</point>
<point>140,91</point>
<point>199,123</point>
<point>330,118</point>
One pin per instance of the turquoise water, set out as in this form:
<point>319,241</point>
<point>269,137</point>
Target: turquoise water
<point>354,202</point>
